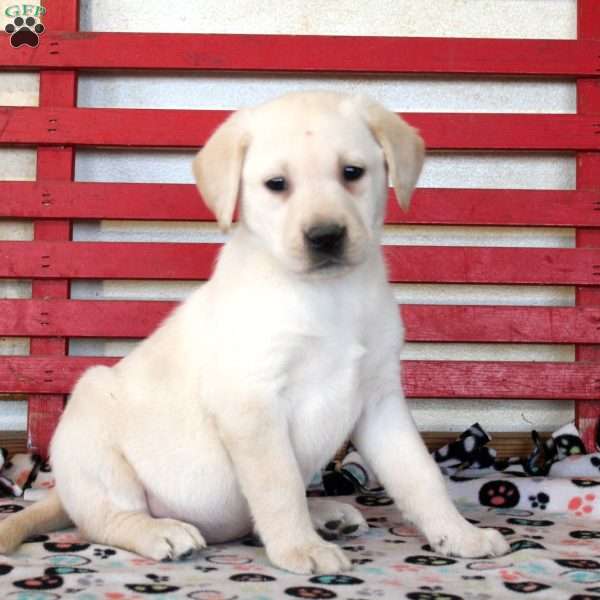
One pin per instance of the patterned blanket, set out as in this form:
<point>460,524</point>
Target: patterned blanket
<point>554,556</point>
<point>547,505</point>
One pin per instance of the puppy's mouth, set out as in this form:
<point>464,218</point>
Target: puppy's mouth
<point>328,266</point>
<point>327,263</point>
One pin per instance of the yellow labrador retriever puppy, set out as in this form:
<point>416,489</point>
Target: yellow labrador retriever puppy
<point>215,423</point>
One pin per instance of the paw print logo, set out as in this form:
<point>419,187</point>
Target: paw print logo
<point>540,501</point>
<point>582,505</point>
<point>24,32</point>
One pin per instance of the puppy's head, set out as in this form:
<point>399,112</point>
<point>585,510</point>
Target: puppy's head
<point>310,171</point>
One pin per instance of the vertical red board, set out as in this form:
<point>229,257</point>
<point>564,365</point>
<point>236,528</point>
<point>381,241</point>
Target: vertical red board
<point>57,88</point>
<point>587,413</point>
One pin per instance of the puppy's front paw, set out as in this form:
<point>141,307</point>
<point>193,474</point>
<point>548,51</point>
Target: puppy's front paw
<point>169,539</point>
<point>470,542</point>
<point>310,557</point>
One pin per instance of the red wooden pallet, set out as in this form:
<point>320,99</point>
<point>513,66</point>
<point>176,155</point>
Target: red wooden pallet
<point>57,128</point>
<point>168,128</point>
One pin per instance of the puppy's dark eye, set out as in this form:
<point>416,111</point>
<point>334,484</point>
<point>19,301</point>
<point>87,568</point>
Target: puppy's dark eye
<point>277,184</point>
<point>352,173</point>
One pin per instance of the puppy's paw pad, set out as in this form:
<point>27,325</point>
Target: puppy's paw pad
<point>333,519</point>
<point>317,557</point>
<point>170,539</point>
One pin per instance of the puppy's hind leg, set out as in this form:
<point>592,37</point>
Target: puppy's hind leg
<point>111,509</point>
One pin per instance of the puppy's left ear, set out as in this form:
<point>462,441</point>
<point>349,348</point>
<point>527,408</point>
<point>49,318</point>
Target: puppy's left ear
<point>218,168</point>
<point>403,148</point>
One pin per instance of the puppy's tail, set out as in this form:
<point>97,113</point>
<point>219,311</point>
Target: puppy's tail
<point>44,516</point>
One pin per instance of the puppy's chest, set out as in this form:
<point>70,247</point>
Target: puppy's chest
<point>323,398</point>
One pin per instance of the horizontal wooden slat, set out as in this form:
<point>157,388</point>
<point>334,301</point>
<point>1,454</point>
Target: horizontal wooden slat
<point>414,264</point>
<point>507,324</point>
<point>422,379</point>
<point>82,318</point>
<point>506,444</point>
<point>13,441</point>
<point>190,128</point>
<point>180,202</point>
<point>83,200</point>
<point>44,374</point>
<point>276,53</point>
<point>82,260</point>
<point>502,380</point>
<point>433,323</point>
<point>448,264</point>
<point>500,207</point>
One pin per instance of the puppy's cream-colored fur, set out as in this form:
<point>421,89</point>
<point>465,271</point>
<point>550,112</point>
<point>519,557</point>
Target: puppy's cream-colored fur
<point>215,423</point>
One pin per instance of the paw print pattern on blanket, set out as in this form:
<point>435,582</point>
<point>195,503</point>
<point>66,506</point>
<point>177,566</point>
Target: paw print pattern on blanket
<point>45,582</point>
<point>9,509</point>
<point>432,595</point>
<point>585,482</point>
<point>151,588</point>
<point>251,577</point>
<point>526,587</point>
<point>336,580</point>
<point>499,494</point>
<point>540,500</point>
<point>585,534</point>
<point>309,592</point>
<point>373,500</point>
<point>548,568</point>
<point>582,505</point>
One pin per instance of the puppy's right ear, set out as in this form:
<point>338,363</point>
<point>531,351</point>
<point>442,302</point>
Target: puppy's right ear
<point>218,168</point>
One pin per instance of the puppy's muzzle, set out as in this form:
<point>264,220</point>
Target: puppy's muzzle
<point>325,243</point>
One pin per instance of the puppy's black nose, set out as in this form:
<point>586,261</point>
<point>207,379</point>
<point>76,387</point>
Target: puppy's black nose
<point>327,238</point>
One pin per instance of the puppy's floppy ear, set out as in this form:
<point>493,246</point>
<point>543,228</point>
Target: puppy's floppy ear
<point>218,168</point>
<point>402,146</point>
